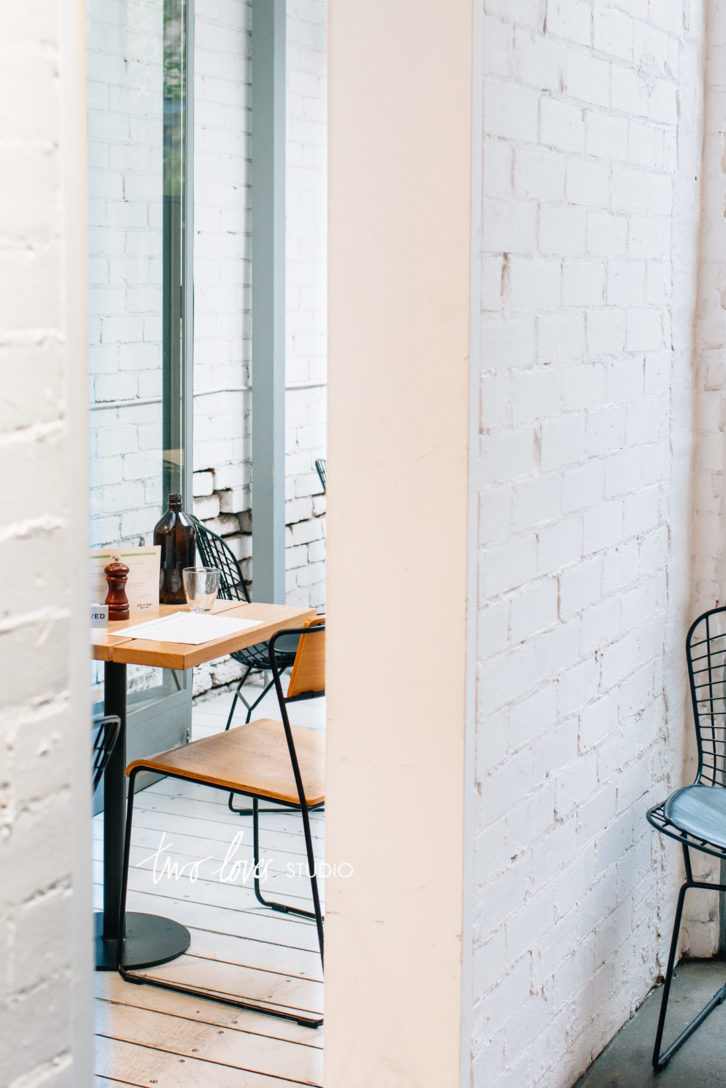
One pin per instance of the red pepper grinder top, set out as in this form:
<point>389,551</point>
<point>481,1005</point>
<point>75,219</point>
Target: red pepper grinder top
<point>117,574</point>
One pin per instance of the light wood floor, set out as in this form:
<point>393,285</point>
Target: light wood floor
<point>151,1037</point>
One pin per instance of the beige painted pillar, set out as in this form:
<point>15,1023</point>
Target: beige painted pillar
<point>400,117</point>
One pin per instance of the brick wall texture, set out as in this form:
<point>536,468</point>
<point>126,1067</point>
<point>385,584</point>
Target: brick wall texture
<point>124,51</point>
<point>591,158</point>
<point>223,417</point>
<point>124,56</point>
<point>36,724</point>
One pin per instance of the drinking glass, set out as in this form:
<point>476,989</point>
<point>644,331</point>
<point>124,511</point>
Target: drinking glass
<point>201,585</point>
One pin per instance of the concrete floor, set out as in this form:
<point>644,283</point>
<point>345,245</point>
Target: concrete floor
<point>700,1063</point>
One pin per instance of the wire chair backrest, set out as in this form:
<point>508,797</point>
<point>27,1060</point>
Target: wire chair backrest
<point>104,742</point>
<point>321,466</point>
<point>213,552</point>
<point>706,655</point>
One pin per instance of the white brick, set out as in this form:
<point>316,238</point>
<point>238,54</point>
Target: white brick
<point>496,46</point>
<point>606,234</point>
<point>613,33</point>
<point>580,586</point>
<point>504,568</point>
<point>527,13</point>
<point>588,183</point>
<point>558,545</point>
<point>626,283</point>
<point>570,19</point>
<point>645,330</point>
<point>606,135</point>
<point>606,332</point>
<point>510,225</point>
<point>561,337</point>
<point>508,454</point>
<point>497,180</point>
<point>510,343</point>
<point>534,284</point>
<point>538,61</point>
<point>583,283</point>
<point>587,78</point>
<point>563,442</point>
<point>638,192</point>
<point>540,173</point>
<point>562,230</point>
<point>629,91</point>
<point>582,487</point>
<point>510,111</point>
<point>536,394</point>
<point>536,501</point>
<point>645,238</point>
<point>562,125</point>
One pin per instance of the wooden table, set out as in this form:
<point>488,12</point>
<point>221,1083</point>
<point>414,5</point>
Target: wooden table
<point>150,939</point>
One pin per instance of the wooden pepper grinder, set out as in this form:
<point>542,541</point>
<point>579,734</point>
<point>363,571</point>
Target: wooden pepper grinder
<point>117,574</point>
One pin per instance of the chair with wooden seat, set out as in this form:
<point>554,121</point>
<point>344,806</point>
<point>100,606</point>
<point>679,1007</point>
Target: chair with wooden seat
<point>264,759</point>
<point>695,815</point>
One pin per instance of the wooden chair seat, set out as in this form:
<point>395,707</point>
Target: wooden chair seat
<point>253,759</point>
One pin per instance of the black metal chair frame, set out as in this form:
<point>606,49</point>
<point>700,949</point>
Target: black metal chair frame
<point>285,908</point>
<point>706,659</point>
<point>104,743</point>
<point>214,552</point>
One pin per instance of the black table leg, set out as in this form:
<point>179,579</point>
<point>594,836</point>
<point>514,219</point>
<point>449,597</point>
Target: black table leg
<point>148,939</point>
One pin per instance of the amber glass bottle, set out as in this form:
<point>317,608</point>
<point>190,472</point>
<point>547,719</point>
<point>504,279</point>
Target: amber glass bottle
<point>175,533</point>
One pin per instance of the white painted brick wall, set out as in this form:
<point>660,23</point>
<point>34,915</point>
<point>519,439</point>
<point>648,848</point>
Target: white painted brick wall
<point>124,71</point>
<point>588,254</point>
<point>222,402</point>
<point>38,726</point>
<point>124,68</point>
<point>124,117</point>
<point>306,285</point>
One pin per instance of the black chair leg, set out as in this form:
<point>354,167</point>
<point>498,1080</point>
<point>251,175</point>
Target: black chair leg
<point>661,1060</point>
<point>178,987</point>
<point>250,708</point>
<point>286,908</point>
<point>237,695</point>
<point>125,873</point>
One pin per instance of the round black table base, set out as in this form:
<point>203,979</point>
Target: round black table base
<point>149,940</point>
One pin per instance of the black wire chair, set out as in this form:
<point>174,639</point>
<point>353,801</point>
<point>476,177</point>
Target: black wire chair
<point>321,466</point>
<point>264,759</point>
<point>214,552</point>
<point>696,815</point>
<point>107,730</point>
<point>232,587</point>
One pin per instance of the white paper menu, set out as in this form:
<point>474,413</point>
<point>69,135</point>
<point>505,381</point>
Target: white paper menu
<point>193,628</point>
<point>142,588</point>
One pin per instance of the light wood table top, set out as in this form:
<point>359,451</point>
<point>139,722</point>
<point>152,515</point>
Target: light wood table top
<point>110,643</point>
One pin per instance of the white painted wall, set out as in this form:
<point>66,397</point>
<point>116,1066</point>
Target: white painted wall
<point>222,270</point>
<point>45,918</point>
<point>124,55</point>
<point>591,155</point>
<point>306,308</point>
<point>124,51</point>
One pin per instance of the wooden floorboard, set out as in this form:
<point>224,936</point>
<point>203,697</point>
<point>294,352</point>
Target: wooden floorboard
<point>147,1037</point>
